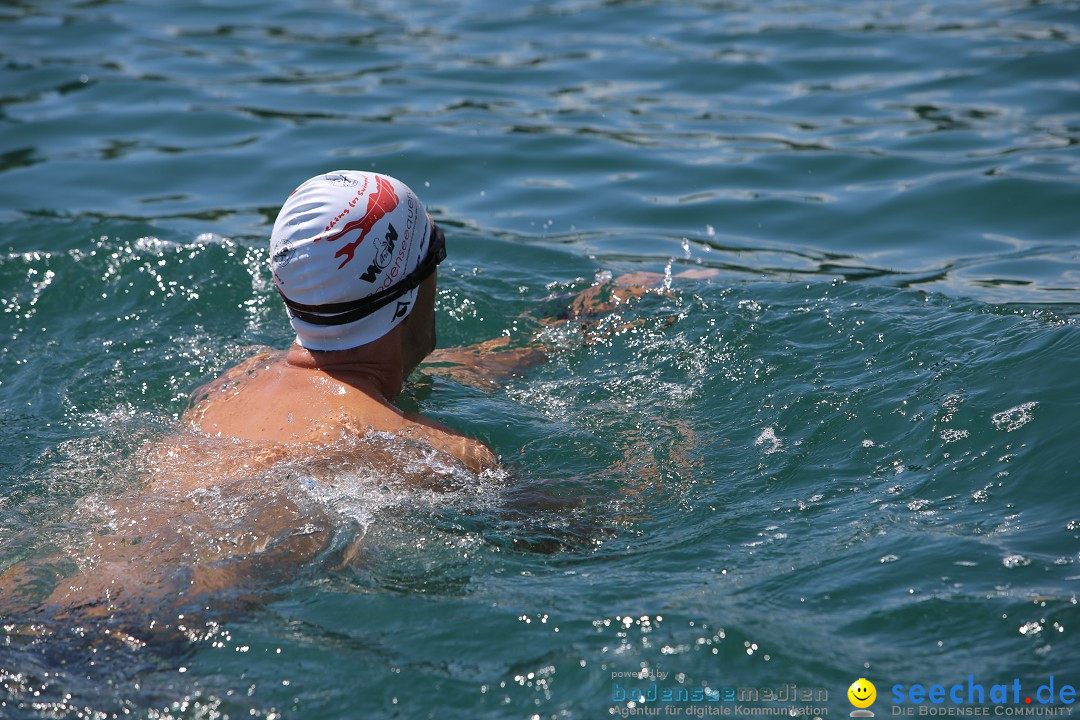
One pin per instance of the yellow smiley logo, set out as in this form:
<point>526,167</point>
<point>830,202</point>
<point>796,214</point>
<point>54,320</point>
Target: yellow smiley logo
<point>862,693</point>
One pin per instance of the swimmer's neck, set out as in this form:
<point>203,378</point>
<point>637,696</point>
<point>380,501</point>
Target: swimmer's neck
<point>374,369</point>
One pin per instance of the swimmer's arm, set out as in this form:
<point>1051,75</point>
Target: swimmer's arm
<point>484,365</point>
<point>488,364</point>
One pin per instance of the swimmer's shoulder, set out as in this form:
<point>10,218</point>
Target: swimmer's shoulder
<point>236,375</point>
<point>473,453</point>
<point>264,398</point>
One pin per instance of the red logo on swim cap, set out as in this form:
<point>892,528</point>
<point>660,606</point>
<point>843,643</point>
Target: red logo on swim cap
<point>380,202</point>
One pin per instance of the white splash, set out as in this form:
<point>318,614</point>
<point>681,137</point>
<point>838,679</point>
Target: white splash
<point>768,437</point>
<point>1014,418</point>
<point>950,436</point>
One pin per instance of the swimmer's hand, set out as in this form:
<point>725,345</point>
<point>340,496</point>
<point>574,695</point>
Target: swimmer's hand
<point>608,296</point>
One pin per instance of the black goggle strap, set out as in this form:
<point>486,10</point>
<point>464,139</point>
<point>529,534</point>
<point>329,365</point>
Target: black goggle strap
<point>353,310</point>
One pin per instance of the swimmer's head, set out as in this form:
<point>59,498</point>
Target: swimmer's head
<point>348,252</point>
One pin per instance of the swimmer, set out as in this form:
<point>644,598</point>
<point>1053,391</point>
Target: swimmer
<point>354,257</point>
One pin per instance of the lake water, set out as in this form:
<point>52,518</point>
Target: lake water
<point>848,454</point>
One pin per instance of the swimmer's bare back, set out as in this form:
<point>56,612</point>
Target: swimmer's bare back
<point>277,397</point>
<point>168,549</point>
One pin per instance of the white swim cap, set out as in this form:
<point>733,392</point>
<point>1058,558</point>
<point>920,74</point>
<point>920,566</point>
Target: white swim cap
<point>345,252</point>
